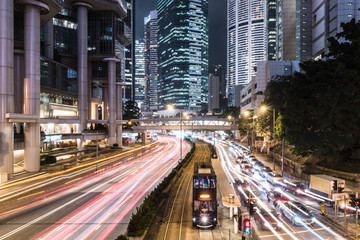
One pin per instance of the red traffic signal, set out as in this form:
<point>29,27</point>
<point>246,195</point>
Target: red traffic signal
<point>247,225</point>
<point>357,203</point>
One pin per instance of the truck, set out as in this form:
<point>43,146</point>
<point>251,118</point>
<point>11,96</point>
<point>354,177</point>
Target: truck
<point>325,185</point>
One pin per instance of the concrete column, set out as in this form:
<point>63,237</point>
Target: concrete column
<point>112,99</point>
<point>49,39</point>
<point>142,139</point>
<point>19,83</point>
<point>119,114</point>
<point>32,10</point>
<point>82,50</point>
<point>6,88</point>
<point>105,103</point>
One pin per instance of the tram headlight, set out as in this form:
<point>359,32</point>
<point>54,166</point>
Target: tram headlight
<point>204,219</point>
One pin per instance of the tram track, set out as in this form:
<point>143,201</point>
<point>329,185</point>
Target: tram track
<point>178,228</point>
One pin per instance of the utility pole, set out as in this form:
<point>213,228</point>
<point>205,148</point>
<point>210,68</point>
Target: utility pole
<point>356,222</point>
<point>282,158</point>
<point>273,134</point>
<point>97,148</point>
<point>181,135</point>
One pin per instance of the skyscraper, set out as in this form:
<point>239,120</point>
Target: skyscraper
<point>140,72</point>
<point>327,17</point>
<point>293,30</point>
<point>183,54</point>
<point>246,41</point>
<point>151,61</point>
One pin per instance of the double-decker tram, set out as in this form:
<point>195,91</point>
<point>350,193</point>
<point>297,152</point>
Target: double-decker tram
<point>204,196</point>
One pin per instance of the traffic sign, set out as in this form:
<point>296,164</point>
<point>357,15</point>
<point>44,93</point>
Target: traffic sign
<point>322,209</point>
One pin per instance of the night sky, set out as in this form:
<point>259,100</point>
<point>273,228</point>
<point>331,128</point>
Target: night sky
<point>217,27</point>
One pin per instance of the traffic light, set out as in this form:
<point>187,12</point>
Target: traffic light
<point>251,208</point>
<point>335,186</point>
<point>357,203</point>
<point>247,225</point>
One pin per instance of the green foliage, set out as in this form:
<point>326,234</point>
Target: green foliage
<point>48,160</point>
<point>232,111</point>
<point>131,110</point>
<point>264,124</point>
<point>320,105</point>
<point>122,237</point>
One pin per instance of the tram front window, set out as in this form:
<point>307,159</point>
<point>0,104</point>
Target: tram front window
<point>204,206</point>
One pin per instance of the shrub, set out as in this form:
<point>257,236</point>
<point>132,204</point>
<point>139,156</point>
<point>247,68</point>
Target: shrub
<point>50,159</point>
<point>122,237</point>
<point>115,145</point>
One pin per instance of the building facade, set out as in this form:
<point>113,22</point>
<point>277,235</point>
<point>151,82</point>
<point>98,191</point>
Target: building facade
<point>151,61</point>
<point>293,23</point>
<point>327,17</point>
<point>246,41</point>
<point>140,73</point>
<point>61,69</point>
<point>183,54</point>
<point>214,92</point>
<point>252,95</point>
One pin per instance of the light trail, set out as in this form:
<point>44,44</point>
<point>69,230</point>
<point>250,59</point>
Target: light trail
<point>259,201</point>
<point>328,229</point>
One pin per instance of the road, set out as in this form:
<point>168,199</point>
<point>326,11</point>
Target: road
<point>257,188</point>
<point>95,206</point>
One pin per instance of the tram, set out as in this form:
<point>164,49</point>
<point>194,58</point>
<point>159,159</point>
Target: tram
<point>204,196</point>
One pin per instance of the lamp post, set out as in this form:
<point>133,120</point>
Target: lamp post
<point>171,107</point>
<point>263,109</point>
<point>247,114</point>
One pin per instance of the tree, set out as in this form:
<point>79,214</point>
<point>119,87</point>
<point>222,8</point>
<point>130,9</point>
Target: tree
<point>264,124</point>
<point>131,110</point>
<point>320,106</point>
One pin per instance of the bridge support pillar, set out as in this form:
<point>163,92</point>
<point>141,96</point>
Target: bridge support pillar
<point>142,139</point>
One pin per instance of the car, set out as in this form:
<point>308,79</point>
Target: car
<point>253,161</point>
<point>275,197</point>
<point>258,166</point>
<point>293,186</point>
<point>248,168</point>
<point>297,213</point>
<point>240,158</point>
<point>265,171</point>
<point>275,179</point>
<point>243,163</point>
<point>248,157</point>
<point>263,217</point>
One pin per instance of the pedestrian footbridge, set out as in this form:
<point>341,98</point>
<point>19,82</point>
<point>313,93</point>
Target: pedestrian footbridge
<point>184,123</point>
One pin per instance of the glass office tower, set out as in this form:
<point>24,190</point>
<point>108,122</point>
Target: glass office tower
<point>183,54</point>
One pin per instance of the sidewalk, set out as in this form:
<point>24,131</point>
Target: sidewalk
<point>224,186</point>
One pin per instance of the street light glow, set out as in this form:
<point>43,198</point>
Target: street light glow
<point>170,107</point>
<point>263,108</point>
<point>246,113</point>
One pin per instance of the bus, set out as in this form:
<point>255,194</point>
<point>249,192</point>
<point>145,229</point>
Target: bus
<point>204,196</point>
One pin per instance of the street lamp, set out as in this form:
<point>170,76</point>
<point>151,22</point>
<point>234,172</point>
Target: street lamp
<point>246,115</point>
<point>171,107</point>
<point>264,108</point>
